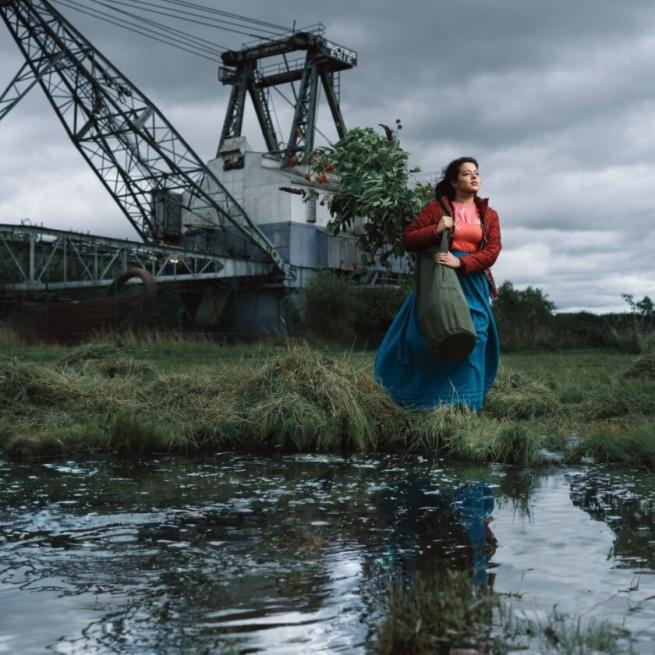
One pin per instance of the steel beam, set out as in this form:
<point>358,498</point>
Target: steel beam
<point>301,139</point>
<point>333,101</point>
<point>17,89</point>
<point>260,102</point>
<point>36,258</point>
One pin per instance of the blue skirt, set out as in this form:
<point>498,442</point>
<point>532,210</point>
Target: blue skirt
<point>415,377</point>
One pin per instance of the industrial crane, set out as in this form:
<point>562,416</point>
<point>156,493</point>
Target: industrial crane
<point>155,177</point>
<point>139,157</point>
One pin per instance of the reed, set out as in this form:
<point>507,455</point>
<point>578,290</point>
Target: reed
<point>435,614</point>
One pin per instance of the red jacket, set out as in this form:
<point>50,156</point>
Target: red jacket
<point>420,234</point>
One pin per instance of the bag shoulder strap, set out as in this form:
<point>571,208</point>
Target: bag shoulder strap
<point>444,208</point>
<point>445,236</point>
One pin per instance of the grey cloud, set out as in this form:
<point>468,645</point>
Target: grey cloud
<point>550,96</point>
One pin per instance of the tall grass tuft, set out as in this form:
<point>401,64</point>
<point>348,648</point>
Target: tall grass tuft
<point>514,444</point>
<point>112,367</point>
<point>95,350</point>
<point>514,396</point>
<point>26,382</point>
<point>134,433</point>
<point>306,399</point>
<point>643,368</point>
<point>466,435</point>
<point>620,397</point>
<point>630,444</point>
<point>436,614</point>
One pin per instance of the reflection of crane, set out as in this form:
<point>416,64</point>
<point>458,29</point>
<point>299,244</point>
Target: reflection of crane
<point>136,153</point>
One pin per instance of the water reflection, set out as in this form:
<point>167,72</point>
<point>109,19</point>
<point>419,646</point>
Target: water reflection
<point>276,555</point>
<point>434,527</point>
<point>625,501</point>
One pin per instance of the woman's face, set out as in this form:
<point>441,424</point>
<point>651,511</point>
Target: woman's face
<point>468,179</point>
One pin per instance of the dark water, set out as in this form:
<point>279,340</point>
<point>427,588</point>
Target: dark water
<point>233,554</point>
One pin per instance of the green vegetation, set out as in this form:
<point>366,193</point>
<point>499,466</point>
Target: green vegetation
<point>437,613</point>
<point>167,394</point>
<point>340,311</point>
<point>446,612</point>
<point>373,179</point>
<point>526,321</point>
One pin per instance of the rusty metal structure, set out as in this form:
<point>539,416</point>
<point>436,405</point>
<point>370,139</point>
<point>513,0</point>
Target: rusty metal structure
<point>69,320</point>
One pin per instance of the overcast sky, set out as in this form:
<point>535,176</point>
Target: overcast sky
<point>555,98</point>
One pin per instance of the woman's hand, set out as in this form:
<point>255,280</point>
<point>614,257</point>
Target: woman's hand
<point>447,259</point>
<point>446,223</point>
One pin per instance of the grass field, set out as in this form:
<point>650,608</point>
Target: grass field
<point>168,394</point>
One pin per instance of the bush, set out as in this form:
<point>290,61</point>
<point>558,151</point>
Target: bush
<point>374,184</point>
<point>331,306</point>
<point>376,309</point>
<point>337,310</point>
<point>524,318</point>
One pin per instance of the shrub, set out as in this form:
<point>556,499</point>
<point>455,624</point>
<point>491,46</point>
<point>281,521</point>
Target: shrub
<point>331,306</point>
<point>376,309</point>
<point>374,184</point>
<point>524,318</point>
<point>338,310</point>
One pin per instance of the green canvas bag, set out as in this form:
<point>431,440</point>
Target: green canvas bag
<point>443,314</point>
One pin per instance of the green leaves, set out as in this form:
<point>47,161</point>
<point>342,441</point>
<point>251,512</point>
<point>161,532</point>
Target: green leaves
<point>373,189</point>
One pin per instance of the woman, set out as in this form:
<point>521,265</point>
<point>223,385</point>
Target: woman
<point>413,375</point>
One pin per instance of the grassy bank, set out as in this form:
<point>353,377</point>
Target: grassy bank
<point>167,394</point>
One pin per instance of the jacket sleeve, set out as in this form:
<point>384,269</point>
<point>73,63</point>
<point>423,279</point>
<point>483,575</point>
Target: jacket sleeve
<point>420,234</point>
<point>487,255</point>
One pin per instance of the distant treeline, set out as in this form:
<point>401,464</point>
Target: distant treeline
<point>526,320</point>
<point>340,310</point>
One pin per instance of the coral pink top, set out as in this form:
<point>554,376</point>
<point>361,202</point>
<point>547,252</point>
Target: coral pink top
<point>468,228</point>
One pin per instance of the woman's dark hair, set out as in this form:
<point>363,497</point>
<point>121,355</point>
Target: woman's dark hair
<point>449,175</point>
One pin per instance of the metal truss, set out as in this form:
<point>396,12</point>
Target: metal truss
<point>23,81</point>
<point>129,144</point>
<point>35,258</point>
<point>322,64</point>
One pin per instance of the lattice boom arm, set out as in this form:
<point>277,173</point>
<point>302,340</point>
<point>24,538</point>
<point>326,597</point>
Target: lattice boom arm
<point>127,141</point>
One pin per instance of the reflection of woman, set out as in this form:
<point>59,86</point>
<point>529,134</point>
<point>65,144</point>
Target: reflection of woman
<point>412,374</point>
<point>433,529</point>
<point>475,505</point>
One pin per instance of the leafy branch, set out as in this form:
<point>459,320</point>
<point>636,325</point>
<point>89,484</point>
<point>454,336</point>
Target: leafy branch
<point>372,189</point>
